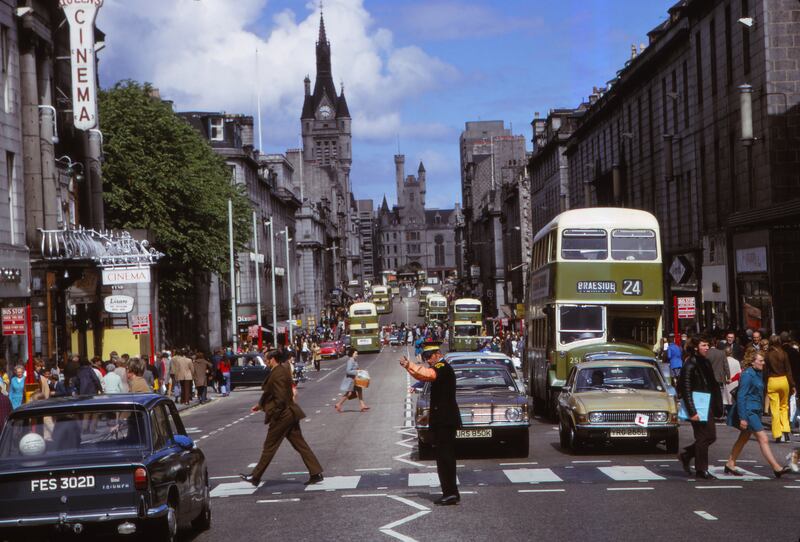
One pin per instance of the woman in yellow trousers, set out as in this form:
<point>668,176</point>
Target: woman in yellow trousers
<point>780,386</point>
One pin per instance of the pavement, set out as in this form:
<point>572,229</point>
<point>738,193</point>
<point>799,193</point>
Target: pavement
<point>377,488</point>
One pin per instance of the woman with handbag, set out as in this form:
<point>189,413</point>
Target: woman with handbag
<point>348,387</point>
<point>746,416</point>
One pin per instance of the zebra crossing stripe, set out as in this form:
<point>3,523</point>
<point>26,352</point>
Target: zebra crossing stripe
<point>630,473</point>
<point>531,476</point>
<point>335,482</point>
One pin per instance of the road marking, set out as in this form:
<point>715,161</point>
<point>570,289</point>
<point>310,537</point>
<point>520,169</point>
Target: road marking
<point>792,487</point>
<point>409,502</point>
<point>252,465</point>
<point>387,529</point>
<point>592,461</point>
<point>323,377</point>
<point>639,488</point>
<point>705,515</point>
<point>190,430</point>
<point>293,473</point>
<point>364,495</point>
<point>719,472</point>
<point>335,482</point>
<point>738,460</point>
<point>718,487</point>
<point>516,464</point>
<point>531,476</point>
<point>627,474</point>
<point>541,490</point>
<point>373,469</point>
<point>221,477</point>
<point>262,501</point>
<point>234,488</point>
<point>400,458</point>
<point>660,460</point>
<point>422,479</point>
<point>204,436</point>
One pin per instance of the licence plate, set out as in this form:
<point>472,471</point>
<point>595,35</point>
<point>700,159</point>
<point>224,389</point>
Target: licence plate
<point>363,341</point>
<point>40,485</point>
<point>474,433</point>
<point>628,433</point>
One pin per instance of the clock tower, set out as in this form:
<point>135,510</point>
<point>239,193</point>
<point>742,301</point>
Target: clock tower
<point>326,256</point>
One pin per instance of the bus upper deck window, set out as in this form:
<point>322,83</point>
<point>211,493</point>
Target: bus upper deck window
<point>633,245</point>
<point>589,244</point>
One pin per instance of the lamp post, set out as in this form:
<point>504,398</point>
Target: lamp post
<point>285,233</point>
<point>258,278</point>
<point>234,338</point>
<point>268,223</point>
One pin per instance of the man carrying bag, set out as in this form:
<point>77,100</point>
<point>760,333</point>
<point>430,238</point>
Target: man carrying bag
<point>702,401</point>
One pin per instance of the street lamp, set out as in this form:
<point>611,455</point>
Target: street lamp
<point>285,232</point>
<point>268,223</point>
<point>257,277</point>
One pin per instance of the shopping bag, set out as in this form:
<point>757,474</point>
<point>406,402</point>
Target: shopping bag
<point>362,379</point>
<point>702,402</point>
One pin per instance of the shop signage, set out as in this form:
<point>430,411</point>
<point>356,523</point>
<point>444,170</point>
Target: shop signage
<point>126,276</point>
<point>13,320</point>
<point>279,272</point>
<point>597,287</point>
<point>686,308</point>
<point>246,318</point>
<point>80,15</point>
<point>140,324</point>
<point>118,304</point>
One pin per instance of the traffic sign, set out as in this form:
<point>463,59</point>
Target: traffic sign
<point>13,320</point>
<point>140,324</point>
<point>686,308</point>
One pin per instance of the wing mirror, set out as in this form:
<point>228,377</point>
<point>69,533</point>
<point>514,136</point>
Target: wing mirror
<point>183,442</point>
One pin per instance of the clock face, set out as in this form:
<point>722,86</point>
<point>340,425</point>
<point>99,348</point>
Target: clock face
<point>325,112</point>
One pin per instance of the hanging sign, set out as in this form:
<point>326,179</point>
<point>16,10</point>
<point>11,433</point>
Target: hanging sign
<point>80,15</point>
<point>140,324</point>
<point>13,320</point>
<point>118,304</point>
<point>126,276</point>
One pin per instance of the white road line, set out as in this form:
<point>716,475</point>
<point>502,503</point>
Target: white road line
<point>401,456</point>
<point>252,465</point>
<point>638,488</point>
<point>705,515</point>
<point>738,460</point>
<point>390,526</point>
<point>792,487</point>
<point>335,482</point>
<point>204,436</point>
<point>719,472</point>
<point>531,476</point>
<point>323,377</point>
<point>718,487</point>
<point>423,479</point>
<point>628,474</point>
<point>221,477</point>
<point>293,473</point>
<point>364,495</point>
<point>541,490</point>
<point>263,501</point>
<point>660,460</point>
<point>409,502</point>
<point>374,468</point>
<point>515,464</point>
<point>591,461</point>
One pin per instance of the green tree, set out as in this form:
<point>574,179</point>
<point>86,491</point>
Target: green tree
<point>160,174</point>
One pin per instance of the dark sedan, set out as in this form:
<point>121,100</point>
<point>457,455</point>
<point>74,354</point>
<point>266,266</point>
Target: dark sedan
<point>248,370</point>
<point>114,464</point>
<point>493,409</point>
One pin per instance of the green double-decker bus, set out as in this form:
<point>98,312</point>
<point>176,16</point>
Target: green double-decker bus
<point>595,284</point>
<point>436,309</point>
<point>364,328</point>
<point>467,325</point>
<point>423,299</point>
<point>382,299</point>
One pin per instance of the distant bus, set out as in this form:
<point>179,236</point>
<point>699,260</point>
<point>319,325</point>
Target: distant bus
<point>436,309</point>
<point>595,284</point>
<point>389,279</point>
<point>382,299</point>
<point>363,325</point>
<point>467,325</point>
<point>423,299</point>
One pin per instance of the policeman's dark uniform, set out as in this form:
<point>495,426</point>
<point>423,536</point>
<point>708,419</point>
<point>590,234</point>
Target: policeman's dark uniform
<point>445,419</point>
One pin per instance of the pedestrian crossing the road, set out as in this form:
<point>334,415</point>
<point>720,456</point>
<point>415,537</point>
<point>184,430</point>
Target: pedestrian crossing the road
<point>291,482</point>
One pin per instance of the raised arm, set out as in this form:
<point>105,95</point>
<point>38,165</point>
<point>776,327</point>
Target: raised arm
<point>419,372</point>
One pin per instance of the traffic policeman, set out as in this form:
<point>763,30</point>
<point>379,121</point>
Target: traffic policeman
<point>445,418</point>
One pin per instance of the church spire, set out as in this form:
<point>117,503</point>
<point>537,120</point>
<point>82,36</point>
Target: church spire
<point>324,82</point>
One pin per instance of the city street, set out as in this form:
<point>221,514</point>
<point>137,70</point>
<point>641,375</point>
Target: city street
<point>376,487</point>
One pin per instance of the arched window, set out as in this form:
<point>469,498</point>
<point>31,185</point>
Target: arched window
<point>438,250</point>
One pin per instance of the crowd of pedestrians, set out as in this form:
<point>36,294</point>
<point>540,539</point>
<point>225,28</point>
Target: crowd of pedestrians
<point>739,379</point>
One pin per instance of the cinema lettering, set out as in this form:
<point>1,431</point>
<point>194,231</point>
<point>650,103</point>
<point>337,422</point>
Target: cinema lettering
<point>81,15</point>
<point>126,276</point>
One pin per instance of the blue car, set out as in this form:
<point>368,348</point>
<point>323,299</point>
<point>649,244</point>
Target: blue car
<point>106,464</point>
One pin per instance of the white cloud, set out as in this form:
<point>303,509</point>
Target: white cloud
<point>202,55</point>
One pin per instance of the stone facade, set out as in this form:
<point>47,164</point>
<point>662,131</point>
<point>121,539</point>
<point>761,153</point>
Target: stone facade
<point>368,235</point>
<point>491,158</point>
<point>666,137</point>
<point>410,237</point>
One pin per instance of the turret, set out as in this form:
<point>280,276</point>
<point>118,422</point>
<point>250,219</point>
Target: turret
<point>421,177</point>
<point>399,171</point>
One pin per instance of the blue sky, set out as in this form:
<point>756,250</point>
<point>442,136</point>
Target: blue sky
<point>417,69</point>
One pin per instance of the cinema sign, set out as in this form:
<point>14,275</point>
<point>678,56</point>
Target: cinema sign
<point>126,276</point>
<point>80,15</point>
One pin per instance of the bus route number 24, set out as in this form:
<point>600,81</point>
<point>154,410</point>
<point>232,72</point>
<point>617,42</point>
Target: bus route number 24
<point>632,287</point>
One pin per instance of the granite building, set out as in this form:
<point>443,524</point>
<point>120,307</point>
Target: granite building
<point>701,129</point>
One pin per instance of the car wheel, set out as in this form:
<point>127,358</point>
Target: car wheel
<point>563,436</point>
<point>169,524</point>
<point>573,442</point>
<point>203,521</point>
<point>673,443</point>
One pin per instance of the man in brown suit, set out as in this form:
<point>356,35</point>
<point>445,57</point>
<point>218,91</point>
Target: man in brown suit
<point>283,416</point>
<point>200,368</point>
<point>182,369</point>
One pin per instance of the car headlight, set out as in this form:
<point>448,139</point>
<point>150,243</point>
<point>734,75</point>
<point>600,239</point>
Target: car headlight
<point>596,417</point>
<point>660,417</point>
<point>514,414</point>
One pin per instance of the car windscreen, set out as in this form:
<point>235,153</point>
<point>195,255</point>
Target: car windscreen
<point>505,362</point>
<point>483,378</point>
<point>606,378</point>
<point>58,433</point>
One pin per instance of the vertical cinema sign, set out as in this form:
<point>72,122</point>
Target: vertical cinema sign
<point>80,16</point>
